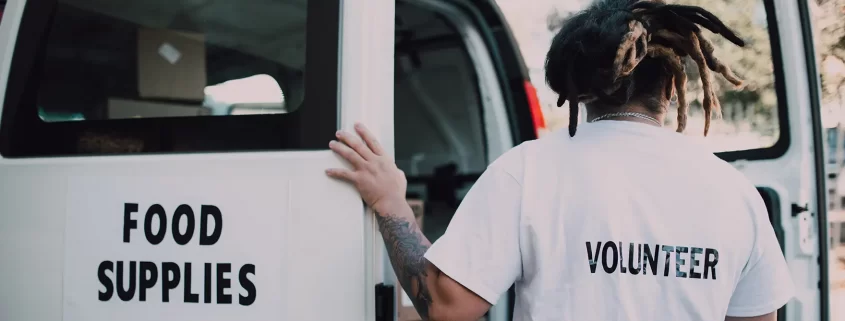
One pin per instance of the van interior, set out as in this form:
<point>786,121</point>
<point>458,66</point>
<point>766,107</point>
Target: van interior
<point>439,125</point>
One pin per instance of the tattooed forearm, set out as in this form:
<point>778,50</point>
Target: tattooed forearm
<point>406,246</point>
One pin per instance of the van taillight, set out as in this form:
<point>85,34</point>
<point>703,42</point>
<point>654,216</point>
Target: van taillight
<point>534,106</point>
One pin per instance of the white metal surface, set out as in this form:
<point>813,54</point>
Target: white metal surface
<point>323,238</point>
<point>792,176</point>
<point>366,88</point>
<point>330,246</point>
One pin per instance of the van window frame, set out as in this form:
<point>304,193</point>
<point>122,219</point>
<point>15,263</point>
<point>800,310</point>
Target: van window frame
<point>780,147</point>
<point>23,134</point>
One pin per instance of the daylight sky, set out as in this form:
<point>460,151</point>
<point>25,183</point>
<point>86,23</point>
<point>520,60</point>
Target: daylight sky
<point>528,23</point>
<point>527,19</point>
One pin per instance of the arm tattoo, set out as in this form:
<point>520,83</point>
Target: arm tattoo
<point>406,246</point>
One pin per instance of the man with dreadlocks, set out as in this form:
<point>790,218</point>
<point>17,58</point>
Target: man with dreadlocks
<point>623,220</point>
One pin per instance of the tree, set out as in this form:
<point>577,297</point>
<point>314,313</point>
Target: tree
<point>754,106</point>
<point>753,64</point>
<point>829,25</point>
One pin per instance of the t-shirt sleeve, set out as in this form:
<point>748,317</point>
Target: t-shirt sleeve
<point>480,249</point>
<point>765,285</point>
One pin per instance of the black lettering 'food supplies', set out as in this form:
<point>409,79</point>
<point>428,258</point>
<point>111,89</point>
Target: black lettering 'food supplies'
<point>131,280</point>
<point>622,219</point>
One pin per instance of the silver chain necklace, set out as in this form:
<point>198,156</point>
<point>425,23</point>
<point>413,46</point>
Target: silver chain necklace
<point>626,114</point>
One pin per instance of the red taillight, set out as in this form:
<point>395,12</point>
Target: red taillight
<point>534,106</point>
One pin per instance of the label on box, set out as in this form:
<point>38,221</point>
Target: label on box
<point>169,53</point>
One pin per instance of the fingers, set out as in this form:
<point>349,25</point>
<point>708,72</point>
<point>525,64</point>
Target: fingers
<point>370,139</point>
<point>342,174</point>
<point>356,144</point>
<point>348,153</point>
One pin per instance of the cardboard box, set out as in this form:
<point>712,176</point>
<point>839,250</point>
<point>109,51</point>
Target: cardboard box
<point>171,65</point>
<point>123,108</point>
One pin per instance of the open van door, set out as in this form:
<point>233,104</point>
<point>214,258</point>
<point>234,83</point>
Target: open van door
<point>165,159</point>
<point>771,131</point>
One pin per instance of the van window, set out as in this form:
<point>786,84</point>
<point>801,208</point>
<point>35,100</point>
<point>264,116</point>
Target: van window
<point>139,76</point>
<point>753,116</point>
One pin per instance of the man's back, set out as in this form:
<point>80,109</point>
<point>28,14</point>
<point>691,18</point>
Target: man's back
<point>625,221</point>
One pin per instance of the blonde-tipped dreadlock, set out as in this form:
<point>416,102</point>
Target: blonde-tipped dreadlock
<point>617,50</point>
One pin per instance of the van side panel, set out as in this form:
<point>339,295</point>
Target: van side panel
<point>318,240</point>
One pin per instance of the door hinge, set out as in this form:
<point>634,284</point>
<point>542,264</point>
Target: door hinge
<point>798,209</point>
<point>385,296</point>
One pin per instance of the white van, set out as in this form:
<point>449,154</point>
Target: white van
<point>164,159</point>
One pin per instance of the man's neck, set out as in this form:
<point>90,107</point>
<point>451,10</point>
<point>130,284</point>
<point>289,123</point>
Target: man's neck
<point>592,115</point>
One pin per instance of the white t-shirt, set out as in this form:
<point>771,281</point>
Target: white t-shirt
<point>624,221</point>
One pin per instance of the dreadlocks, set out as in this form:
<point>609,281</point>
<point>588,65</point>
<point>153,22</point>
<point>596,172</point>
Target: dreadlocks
<point>617,50</point>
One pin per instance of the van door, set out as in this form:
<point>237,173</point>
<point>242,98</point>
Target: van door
<point>165,159</point>
<point>825,20</point>
<point>772,133</point>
